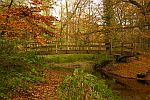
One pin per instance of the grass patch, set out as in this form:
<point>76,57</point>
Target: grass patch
<point>67,58</point>
<point>61,68</point>
<point>99,59</point>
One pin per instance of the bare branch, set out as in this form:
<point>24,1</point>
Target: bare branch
<point>10,4</point>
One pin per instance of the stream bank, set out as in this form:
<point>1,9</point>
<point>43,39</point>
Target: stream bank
<point>128,88</point>
<point>121,77</point>
<point>127,82</point>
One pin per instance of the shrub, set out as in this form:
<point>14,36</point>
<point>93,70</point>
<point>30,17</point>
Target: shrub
<point>102,60</point>
<point>18,69</point>
<point>84,86</point>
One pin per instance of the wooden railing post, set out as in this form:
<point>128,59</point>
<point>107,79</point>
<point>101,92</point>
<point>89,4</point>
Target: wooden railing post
<point>122,47</point>
<point>111,46</point>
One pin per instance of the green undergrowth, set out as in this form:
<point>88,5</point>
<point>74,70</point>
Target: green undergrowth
<point>18,69</point>
<point>84,86</point>
<point>102,60</point>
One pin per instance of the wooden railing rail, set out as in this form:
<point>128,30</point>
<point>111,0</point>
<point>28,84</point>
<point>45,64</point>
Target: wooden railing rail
<point>120,47</point>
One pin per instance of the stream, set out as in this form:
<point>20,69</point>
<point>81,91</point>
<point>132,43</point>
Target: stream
<point>127,89</point>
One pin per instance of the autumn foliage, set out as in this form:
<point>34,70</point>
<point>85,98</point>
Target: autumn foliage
<point>26,22</point>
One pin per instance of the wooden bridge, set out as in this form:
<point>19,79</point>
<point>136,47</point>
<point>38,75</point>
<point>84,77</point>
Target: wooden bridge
<point>91,48</point>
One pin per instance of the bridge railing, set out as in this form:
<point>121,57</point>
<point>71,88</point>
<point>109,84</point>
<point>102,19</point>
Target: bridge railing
<point>119,47</point>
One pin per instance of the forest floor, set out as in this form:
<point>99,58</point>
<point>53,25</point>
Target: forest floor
<point>46,90</point>
<point>54,75</point>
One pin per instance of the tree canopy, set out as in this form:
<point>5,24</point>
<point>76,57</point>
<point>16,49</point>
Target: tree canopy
<point>19,20</point>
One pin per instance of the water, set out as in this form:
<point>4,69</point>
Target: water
<point>129,89</point>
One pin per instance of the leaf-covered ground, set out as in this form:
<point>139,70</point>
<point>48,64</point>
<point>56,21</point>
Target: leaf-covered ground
<point>53,75</point>
<point>47,90</point>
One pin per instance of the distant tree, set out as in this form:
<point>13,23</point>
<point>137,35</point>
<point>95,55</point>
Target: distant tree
<point>144,8</point>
